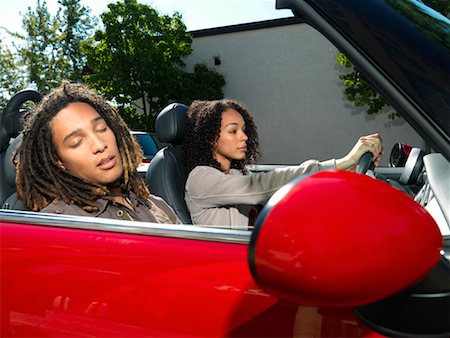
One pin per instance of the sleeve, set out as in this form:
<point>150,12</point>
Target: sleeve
<point>208,187</point>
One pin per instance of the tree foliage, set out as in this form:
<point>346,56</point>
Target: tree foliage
<point>11,80</point>
<point>136,60</point>
<point>202,84</point>
<point>78,26</point>
<point>39,52</point>
<point>49,50</point>
<point>359,91</point>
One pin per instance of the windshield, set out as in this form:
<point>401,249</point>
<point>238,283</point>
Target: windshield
<point>434,59</point>
<point>409,43</point>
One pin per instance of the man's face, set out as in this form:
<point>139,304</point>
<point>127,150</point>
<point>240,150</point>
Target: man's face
<point>86,146</point>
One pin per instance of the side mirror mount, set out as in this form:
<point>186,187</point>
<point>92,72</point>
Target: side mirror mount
<point>341,239</point>
<point>399,154</point>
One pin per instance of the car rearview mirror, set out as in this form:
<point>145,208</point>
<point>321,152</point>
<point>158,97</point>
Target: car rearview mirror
<point>337,239</point>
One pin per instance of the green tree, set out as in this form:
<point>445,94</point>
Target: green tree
<point>359,91</point>
<point>202,84</point>
<point>50,49</point>
<point>11,79</point>
<point>136,60</point>
<point>77,26</point>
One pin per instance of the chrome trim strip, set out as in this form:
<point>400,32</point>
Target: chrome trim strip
<point>181,231</point>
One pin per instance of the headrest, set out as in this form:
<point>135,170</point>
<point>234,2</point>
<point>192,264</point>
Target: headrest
<point>11,119</point>
<point>9,167</point>
<point>170,122</point>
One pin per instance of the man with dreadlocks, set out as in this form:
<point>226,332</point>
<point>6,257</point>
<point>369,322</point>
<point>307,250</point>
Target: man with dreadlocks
<point>78,157</point>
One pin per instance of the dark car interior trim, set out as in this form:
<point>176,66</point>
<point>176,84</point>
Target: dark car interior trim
<point>420,310</point>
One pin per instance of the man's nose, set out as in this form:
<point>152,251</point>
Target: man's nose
<point>98,144</point>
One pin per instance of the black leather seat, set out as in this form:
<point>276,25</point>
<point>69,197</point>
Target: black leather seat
<point>166,176</point>
<point>10,127</point>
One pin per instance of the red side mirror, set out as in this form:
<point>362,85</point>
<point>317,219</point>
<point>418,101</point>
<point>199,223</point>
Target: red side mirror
<point>337,238</point>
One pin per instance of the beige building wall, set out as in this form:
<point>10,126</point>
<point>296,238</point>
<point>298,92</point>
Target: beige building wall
<point>288,77</point>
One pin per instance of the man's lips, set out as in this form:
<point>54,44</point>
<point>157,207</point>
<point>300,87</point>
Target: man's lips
<point>107,163</point>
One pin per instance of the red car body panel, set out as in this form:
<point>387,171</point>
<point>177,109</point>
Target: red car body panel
<point>72,282</point>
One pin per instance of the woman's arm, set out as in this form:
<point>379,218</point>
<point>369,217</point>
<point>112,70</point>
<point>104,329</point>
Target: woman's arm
<point>208,187</point>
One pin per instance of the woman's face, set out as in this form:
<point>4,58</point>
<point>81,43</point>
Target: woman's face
<point>232,142</point>
<point>86,146</point>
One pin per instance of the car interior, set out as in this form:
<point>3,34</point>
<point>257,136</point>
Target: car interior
<point>166,175</point>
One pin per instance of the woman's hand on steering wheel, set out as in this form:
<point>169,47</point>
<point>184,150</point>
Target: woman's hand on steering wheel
<point>370,143</point>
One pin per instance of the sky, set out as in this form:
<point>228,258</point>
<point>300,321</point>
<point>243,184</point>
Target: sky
<point>197,14</point>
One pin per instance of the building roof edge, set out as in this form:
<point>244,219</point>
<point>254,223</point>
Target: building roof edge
<point>246,26</point>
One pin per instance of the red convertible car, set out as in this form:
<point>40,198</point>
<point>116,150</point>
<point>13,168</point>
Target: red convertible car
<point>308,268</point>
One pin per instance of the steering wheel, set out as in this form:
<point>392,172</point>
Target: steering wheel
<point>364,163</point>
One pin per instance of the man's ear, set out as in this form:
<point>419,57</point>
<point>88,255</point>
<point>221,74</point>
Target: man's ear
<point>60,164</point>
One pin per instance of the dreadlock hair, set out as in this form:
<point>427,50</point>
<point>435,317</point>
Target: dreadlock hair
<point>40,180</point>
<point>202,130</point>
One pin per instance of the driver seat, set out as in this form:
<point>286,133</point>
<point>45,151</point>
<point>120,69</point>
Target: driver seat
<point>166,175</point>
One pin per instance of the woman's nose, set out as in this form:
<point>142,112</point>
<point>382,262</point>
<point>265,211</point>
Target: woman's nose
<point>244,136</point>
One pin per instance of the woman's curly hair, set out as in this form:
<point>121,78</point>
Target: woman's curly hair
<point>202,131</point>
<point>39,178</point>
